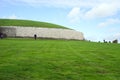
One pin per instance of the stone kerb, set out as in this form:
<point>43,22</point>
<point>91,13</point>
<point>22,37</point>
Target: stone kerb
<point>56,33</point>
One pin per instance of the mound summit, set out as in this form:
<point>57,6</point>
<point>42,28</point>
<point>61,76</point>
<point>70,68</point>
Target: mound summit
<point>27,28</point>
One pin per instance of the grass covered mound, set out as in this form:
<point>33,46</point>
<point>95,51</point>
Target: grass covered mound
<point>28,23</point>
<point>27,59</point>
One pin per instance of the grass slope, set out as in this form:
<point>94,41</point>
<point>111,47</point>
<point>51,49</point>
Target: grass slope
<point>27,59</point>
<point>28,23</point>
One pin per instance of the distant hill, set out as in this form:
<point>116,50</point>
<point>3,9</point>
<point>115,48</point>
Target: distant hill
<point>28,23</point>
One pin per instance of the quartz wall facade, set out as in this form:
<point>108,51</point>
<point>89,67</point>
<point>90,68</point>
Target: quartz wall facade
<point>55,33</point>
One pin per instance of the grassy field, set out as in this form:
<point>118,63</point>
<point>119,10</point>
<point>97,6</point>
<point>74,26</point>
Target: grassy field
<point>28,23</point>
<point>28,59</point>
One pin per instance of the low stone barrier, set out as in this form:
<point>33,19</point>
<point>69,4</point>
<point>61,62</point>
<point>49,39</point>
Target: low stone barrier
<point>55,33</point>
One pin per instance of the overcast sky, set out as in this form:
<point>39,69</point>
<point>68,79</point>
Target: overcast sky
<point>97,19</point>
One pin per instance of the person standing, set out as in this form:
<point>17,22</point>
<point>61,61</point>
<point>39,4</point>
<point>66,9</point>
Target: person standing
<point>35,36</point>
<point>1,35</point>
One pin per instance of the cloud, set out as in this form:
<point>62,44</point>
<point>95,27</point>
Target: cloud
<point>102,10</point>
<point>92,8</point>
<point>65,3</point>
<point>109,22</point>
<point>117,36</point>
<point>113,37</point>
<point>13,16</point>
<point>75,14</point>
<point>53,3</point>
<point>61,3</point>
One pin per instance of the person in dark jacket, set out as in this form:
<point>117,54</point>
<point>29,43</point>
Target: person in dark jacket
<point>35,36</point>
<point>1,35</point>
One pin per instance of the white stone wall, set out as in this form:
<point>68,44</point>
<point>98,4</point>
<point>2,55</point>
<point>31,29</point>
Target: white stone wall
<point>48,33</point>
<point>8,30</point>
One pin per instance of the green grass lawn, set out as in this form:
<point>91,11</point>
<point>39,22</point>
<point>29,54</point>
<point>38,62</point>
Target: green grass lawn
<point>29,59</point>
<point>28,23</point>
